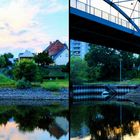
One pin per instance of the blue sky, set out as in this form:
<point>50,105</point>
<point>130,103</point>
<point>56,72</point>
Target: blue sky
<point>32,24</point>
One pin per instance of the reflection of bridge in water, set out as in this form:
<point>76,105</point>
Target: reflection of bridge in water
<point>95,26</point>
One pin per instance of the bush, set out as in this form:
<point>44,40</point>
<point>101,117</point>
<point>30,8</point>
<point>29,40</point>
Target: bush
<point>25,68</point>
<point>78,70</point>
<point>52,72</point>
<point>51,87</point>
<point>6,82</point>
<point>23,84</point>
<point>55,85</point>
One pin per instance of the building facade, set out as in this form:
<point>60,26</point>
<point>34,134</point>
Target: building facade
<point>78,48</point>
<point>26,55</point>
<point>59,52</point>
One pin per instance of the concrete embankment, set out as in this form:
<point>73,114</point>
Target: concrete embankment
<point>134,96</point>
<point>33,94</point>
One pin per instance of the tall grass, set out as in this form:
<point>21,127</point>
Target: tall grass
<point>55,85</point>
<point>6,82</point>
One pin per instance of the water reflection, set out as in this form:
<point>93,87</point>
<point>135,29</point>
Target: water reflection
<point>105,122</point>
<point>34,122</point>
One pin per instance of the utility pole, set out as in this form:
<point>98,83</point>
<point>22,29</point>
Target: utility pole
<point>120,69</point>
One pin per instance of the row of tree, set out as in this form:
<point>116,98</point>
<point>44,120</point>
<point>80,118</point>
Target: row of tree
<point>103,64</point>
<point>4,60</point>
<point>42,59</point>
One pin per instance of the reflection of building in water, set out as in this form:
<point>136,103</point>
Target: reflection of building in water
<point>59,127</point>
<point>78,48</point>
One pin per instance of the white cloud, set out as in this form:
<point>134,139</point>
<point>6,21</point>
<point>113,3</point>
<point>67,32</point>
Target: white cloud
<point>20,28</point>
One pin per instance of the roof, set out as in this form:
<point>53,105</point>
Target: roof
<point>26,54</point>
<point>55,48</point>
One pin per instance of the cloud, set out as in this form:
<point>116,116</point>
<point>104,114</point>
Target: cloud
<point>20,27</point>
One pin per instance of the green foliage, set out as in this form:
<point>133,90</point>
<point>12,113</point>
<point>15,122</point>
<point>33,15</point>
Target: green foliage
<point>38,76</point>
<point>66,68</point>
<point>52,72</point>
<point>6,82</point>
<point>104,63</point>
<point>23,84</point>
<point>4,60</point>
<point>55,85</point>
<point>43,59</point>
<point>78,71</point>
<point>25,68</point>
<point>94,73</point>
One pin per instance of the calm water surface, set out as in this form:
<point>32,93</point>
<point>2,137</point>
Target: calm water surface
<point>34,122</point>
<point>102,121</point>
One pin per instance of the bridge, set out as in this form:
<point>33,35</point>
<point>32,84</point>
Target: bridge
<point>92,25</point>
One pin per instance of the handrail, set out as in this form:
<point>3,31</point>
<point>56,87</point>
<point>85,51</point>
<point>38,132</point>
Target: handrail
<point>100,13</point>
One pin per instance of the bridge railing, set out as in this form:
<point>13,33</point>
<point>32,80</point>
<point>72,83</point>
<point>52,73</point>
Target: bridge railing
<point>100,13</point>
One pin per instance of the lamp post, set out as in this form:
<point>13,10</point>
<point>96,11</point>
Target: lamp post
<point>120,69</point>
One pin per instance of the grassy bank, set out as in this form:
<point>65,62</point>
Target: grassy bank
<point>126,82</point>
<point>6,82</point>
<point>55,85</point>
<point>52,85</point>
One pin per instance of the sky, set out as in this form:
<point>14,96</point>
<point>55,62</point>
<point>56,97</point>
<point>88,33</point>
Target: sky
<point>32,24</point>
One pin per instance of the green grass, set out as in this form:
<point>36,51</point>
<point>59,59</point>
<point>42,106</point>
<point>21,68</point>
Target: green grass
<point>6,82</point>
<point>127,82</point>
<point>55,85</point>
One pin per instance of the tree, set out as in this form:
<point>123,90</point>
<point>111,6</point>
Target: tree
<point>43,59</point>
<point>25,69</point>
<point>7,56</point>
<point>66,68</point>
<point>78,70</point>
<point>104,63</point>
<point>2,61</point>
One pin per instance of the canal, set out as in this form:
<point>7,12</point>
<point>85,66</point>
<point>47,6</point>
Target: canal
<point>34,122</point>
<point>105,121</point>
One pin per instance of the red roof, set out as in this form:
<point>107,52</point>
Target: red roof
<point>55,48</point>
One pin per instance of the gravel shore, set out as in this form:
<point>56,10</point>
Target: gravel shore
<point>33,94</point>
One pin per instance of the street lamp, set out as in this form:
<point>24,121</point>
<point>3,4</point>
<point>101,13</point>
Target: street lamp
<point>120,69</point>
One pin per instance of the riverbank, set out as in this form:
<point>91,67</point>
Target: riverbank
<point>10,102</point>
<point>135,81</point>
<point>33,94</point>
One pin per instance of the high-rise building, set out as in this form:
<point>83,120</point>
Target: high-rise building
<point>78,48</point>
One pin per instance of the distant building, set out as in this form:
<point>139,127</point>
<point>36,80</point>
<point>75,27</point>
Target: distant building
<point>26,55</point>
<point>78,48</point>
<point>59,52</point>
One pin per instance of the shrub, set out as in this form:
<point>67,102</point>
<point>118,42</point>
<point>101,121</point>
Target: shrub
<point>78,70</point>
<point>23,84</point>
<point>6,81</point>
<point>55,85</point>
<point>51,87</point>
<point>25,68</point>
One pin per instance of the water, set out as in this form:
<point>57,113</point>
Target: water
<point>105,121</point>
<point>50,122</point>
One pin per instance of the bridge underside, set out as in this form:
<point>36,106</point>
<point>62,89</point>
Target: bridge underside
<point>91,29</point>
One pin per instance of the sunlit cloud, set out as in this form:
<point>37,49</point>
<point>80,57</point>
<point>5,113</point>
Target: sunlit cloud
<point>21,27</point>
